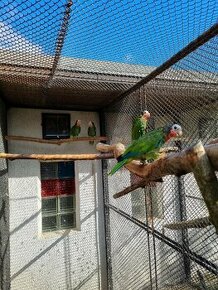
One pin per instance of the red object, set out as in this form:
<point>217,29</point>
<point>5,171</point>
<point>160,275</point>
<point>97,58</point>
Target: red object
<point>66,186</point>
<point>49,187</point>
<point>54,187</point>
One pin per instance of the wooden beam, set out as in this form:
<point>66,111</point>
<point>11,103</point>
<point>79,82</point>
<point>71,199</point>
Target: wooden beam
<point>55,142</point>
<point>172,164</point>
<point>195,223</point>
<point>206,180</point>
<point>50,157</point>
<point>213,141</point>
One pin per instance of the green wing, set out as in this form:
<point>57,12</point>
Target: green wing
<point>91,133</point>
<point>75,131</point>
<point>150,141</point>
<point>143,148</point>
<point>138,128</point>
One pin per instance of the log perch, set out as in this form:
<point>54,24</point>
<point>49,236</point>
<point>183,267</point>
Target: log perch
<point>202,161</point>
<point>207,181</point>
<point>171,164</point>
<point>55,142</point>
<point>50,157</point>
<point>190,224</point>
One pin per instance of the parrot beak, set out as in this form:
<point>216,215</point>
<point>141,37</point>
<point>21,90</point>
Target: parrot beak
<point>174,133</point>
<point>179,133</point>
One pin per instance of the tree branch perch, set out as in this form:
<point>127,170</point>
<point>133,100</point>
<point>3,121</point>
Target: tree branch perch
<point>50,157</point>
<point>199,159</point>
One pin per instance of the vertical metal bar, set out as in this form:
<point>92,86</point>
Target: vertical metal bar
<point>192,46</point>
<point>59,45</point>
<point>106,209</point>
<point>5,280</point>
<point>183,216</point>
<point>153,238</point>
<point>147,209</point>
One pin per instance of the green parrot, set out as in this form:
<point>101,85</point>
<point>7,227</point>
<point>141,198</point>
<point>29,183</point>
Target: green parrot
<point>76,129</point>
<point>147,147</point>
<point>91,131</point>
<point>139,125</point>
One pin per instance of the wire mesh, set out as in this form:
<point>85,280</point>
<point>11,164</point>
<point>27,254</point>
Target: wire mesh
<point>186,93</point>
<point>55,53</point>
<point>49,48</point>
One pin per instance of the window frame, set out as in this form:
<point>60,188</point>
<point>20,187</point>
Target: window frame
<point>75,210</point>
<point>45,117</point>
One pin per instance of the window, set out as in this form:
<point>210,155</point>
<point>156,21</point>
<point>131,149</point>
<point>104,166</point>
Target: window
<point>58,196</point>
<point>55,126</point>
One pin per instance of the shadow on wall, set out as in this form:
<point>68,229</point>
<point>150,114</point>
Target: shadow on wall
<point>67,243</point>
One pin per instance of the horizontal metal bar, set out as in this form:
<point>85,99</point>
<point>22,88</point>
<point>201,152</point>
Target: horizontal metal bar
<point>203,38</point>
<point>211,267</point>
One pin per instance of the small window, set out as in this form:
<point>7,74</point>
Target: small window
<point>55,126</point>
<point>58,196</point>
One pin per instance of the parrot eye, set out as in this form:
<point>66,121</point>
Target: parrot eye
<point>176,127</point>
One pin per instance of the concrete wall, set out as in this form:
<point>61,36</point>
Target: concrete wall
<point>4,203</point>
<point>70,259</point>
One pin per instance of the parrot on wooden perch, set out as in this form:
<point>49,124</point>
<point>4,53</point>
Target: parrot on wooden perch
<point>76,129</point>
<point>139,125</point>
<point>91,131</point>
<point>147,147</point>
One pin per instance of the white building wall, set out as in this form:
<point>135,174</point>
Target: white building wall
<point>70,259</point>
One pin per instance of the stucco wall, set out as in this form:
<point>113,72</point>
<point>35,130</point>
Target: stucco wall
<point>4,203</point>
<point>68,259</point>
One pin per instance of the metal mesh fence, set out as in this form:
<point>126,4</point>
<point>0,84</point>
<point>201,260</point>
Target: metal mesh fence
<point>47,46</point>
<point>183,258</point>
<point>56,48</point>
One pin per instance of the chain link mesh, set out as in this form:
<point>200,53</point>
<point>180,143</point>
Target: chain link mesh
<point>56,48</point>
<point>185,93</point>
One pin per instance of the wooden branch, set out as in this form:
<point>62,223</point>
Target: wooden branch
<point>50,157</point>
<point>195,223</point>
<point>207,181</point>
<point>213,141</point>
<point>129,189</point>
<point>134,186</point>
<point>55,142</point>
<point>114,147</point>
<point>105,147</point>
<point>173,164</point>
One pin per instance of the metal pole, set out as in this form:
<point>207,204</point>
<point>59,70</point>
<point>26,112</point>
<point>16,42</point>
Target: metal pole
<point>203,38</point>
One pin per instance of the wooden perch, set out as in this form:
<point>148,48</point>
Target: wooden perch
<point>50,157</point>
<point>55,142</point>
<point>195,223</point>
<point>213,141</point>
<point>207,181</point>
<point>172,164</point>
<point>129,189</point>
<point>200,160</point>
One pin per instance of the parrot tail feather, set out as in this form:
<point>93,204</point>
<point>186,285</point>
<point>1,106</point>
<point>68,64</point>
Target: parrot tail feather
<point>118,166</point>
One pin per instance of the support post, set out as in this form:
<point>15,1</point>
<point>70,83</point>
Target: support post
<point>207,182</point>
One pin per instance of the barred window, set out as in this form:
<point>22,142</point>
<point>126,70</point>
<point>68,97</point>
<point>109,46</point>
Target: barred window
<point>58,196</point>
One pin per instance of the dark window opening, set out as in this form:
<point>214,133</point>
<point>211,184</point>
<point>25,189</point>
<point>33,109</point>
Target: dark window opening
<point>55,126</point>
